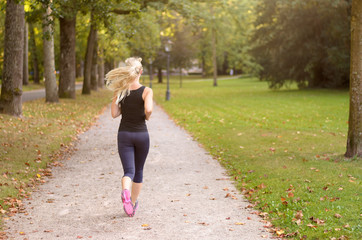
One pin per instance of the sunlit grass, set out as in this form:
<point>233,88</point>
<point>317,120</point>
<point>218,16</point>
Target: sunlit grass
<point>29,145</point>
<point>284,149</point>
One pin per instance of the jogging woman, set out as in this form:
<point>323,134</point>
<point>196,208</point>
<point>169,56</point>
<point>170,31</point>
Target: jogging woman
<point>135,103</point>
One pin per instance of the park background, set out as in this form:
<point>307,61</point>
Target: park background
<point>278,124</point>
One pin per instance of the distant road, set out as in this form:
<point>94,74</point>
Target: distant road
<point>35,94</point>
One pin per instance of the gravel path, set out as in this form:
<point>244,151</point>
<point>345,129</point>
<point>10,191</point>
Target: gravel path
<point>183,195</point>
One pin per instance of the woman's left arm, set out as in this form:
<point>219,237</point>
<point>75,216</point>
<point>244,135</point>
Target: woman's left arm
<point>148,98</point>
<point>115,109</point>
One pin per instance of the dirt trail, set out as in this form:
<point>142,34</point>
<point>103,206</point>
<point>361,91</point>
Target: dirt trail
<point>183,195</point>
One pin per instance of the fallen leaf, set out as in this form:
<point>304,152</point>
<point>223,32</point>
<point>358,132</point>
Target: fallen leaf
<point>239,223</point>
<point>299,215</point>
<point>144,225</point>
<point>290,194</point>
<point>203,223</point>
<point>337,215</point>
<point>311,225</point>
<point>279,232</point>
<point>22,233</point>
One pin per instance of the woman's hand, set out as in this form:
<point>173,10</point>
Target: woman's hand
<point>115,109</point>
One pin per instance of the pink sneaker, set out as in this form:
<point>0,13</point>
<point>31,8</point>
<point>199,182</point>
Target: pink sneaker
<point>127,204</point>
<point>135,207</point>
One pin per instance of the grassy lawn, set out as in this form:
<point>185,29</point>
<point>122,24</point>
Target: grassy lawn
<point>32,86</point>
<point>283,148</point>
<point>30,145</point>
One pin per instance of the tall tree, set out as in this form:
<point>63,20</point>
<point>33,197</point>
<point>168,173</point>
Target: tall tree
<point>100,68</point>
<point>354,141</point>
<point>89,56</point>
<point>11,89</point>
<point>51,89</point>
<point>25,61</point>
<point>94,70</point>
<point>67,23</point>
<point>303,41</point>
<point>34,54</point>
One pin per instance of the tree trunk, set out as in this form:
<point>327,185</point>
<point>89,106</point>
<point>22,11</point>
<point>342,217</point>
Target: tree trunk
<point>25,60</point>
<point>88,58</point>
<point>100,68</point>
<point>11,89</point>
<point>80,67</point>
<point>159,75</point>
<point>214,60</point>
<point>94,70</point>
<point>354,140</point>
<point>34,54</point>
<point>67,58</point>
<point>203,66</point>
<point>51,89</point>
<point>180,77</point>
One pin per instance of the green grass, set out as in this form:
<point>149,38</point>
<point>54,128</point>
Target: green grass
<point>32,86</point>
<point>32,144</point>
<point>283,148</point>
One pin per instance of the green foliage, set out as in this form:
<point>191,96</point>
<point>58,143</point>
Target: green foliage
<point>306,41</point>
<point>284,149</point>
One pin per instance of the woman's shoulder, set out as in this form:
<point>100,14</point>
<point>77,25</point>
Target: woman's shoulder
<point>147,91</point>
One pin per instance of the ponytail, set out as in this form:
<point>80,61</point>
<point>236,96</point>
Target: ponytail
<point>120,79</point>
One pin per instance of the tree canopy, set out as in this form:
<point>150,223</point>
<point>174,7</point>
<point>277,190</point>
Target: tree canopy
<point>281,41</point>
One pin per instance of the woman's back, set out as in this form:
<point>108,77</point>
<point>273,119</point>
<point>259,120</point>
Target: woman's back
<point>133,112</point>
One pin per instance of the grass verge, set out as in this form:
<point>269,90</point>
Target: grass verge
<point>283,148</point>
<point>32,86</point>
<point>29,146</point>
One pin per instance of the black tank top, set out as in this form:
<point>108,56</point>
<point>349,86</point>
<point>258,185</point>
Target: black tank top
<point>133,112</point>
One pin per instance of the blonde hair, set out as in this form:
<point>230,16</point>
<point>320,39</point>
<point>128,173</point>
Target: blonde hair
<point>120,79</point>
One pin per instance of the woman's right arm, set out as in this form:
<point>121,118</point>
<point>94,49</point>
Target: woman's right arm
<point>115,109</point>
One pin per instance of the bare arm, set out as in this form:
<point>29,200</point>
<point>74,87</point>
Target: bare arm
<point>148,98</point>
<point>115,109</point>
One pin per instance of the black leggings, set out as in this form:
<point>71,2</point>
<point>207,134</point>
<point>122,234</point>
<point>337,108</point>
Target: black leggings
<point>133,149</point>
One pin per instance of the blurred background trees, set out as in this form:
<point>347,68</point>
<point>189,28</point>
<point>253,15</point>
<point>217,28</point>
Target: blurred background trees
<point>307,42</point>
<point>281,41</point>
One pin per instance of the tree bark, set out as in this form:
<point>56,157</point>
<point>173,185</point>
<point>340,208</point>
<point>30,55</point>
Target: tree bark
<point>159,75</point>
<point>100,68</point>
<point>51,89</point>
<point>67,58</point>
<point>11,89</point>
<point>354,140</point>
<point>214,60</point>
<point>94,70</point>
<point>34,54</point>
<point>88,58</point>
<point>203,66</point>
<point>25,60</point>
